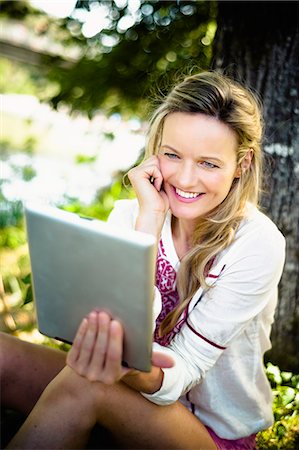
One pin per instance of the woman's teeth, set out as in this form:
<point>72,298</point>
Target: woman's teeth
<point>186,194</point>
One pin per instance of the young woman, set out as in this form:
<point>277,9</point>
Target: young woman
<point>219,261</point>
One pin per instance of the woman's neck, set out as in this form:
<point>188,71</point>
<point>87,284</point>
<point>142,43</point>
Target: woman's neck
<point>182,234</point>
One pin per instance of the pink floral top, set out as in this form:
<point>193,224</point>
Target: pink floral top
<point>166,283</point>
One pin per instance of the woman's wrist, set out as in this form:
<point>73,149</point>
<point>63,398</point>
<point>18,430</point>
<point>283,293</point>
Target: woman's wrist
<point>151,224</point>
<point>149,383</point>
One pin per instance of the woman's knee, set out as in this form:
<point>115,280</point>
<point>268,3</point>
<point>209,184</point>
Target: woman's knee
<point>19,357</point>
<point>26,369</point>
<point>11,370</point>
<point>70,391</point>
<point>8,350</point>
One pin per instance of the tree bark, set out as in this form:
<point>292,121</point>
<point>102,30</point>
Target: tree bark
<point>257,43</point>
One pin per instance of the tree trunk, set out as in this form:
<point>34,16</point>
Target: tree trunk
<point>258,43</point>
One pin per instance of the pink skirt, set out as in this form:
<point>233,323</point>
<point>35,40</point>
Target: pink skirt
<point>247,443</point>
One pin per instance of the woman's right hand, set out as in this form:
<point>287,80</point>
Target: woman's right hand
<point>147,182</point>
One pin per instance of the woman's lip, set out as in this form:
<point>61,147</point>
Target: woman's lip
<point>186,200</point>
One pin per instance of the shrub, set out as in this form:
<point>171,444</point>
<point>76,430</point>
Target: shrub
<point>284,434</point>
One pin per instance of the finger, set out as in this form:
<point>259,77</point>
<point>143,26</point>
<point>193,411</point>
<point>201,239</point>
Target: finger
<point>148,170</point>
<point>158,177</point>
<point>88,342</point>
<point>74,352</point>
<point>113,368</point>
<point>98,358</point>
<point>162,360</point>
<point>153,172</point>
<point>158,180</point>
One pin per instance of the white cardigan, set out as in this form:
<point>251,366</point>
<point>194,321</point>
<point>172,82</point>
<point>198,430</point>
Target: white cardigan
<point>219,353</point>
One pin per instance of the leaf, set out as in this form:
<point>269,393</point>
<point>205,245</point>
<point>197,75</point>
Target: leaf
<point>280,430</point>
<point>273,373</point>
<point>85,159</point>
<point>286,395</point>
<point>26,279</point>
<point>29,296</point>
<point>286,376</point>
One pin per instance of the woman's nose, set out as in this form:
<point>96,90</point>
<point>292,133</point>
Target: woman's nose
<point>187,176</point>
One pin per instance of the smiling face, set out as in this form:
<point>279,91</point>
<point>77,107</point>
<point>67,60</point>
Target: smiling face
<point>198,163</point>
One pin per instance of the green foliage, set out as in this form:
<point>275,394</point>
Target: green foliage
<point>12,237</point>
<point>109,136</point>
<point>29,144</point>
<point>151,52</point>
<point>4,146</point>
<point>26,171</point>
<point>102,207</point>
<point>285,387</point>
<point>11,212</point>
<point>21,283</point>
<point>284,434</point>
<point>18,10</point>
<point>15,79</point>
<point>85,159</point>
<point>24,141</point>
<point>25,79</point>
<point>116,69</point>
<point>27,288</point>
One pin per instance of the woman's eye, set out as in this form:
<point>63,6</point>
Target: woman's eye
<point>171,155</point>
<point>209,165</point>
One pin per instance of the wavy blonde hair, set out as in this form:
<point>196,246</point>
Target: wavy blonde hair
<point>214,95</point>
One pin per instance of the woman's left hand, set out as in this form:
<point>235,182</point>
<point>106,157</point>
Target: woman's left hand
<point>96,354</point>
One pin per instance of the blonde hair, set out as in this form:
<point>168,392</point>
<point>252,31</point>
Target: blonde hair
<point>215,95</point>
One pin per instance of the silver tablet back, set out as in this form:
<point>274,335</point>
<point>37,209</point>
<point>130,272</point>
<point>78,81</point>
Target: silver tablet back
<point>79,265</point>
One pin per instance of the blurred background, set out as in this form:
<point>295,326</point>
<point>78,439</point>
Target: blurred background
<point>79,80</point>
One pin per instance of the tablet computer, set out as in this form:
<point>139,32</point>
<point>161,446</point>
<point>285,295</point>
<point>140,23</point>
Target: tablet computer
<point>79,264</point>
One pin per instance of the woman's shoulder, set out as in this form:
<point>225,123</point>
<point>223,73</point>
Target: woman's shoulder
<point>258,237</point>
<point>257,225</point>
<point>258,250</point>
<point>124,213</point>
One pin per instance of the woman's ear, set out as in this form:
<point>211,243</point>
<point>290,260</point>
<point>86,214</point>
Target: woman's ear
<point>244,164</point>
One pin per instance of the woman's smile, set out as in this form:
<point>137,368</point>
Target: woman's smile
<point>187,197</point>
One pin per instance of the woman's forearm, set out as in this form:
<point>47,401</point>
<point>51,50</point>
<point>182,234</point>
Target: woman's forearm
<point>148,223</point>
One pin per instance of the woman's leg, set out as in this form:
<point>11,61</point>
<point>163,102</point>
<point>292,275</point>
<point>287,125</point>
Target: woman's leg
<point>25,371</point>
<point>71,405</point>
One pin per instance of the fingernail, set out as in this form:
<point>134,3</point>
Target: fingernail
<point>92,315</point>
